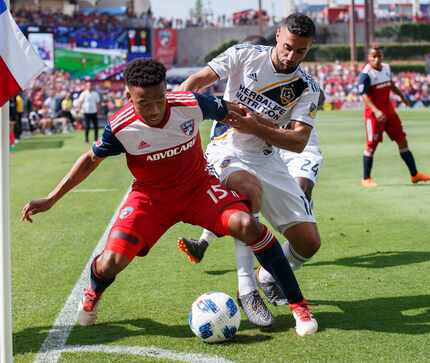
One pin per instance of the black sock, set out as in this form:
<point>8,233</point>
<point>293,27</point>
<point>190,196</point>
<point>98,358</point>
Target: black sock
<point>270,255</point>
<point>409,160</point>
<point>98,284</point>
<point>367,166</point>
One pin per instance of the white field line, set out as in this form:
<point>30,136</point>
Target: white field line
<point>152,352</point>
<point>60,331</point>
<point>55,343</point>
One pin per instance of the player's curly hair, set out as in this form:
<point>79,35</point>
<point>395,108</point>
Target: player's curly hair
<point>300,24</point>
<point>144,73</point>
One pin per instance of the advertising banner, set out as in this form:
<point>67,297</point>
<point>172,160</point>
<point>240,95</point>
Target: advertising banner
<point>43,43</point>
<point>165,46</point>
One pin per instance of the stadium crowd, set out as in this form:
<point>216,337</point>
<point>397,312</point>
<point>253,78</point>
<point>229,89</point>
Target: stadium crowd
<point>52,103</point>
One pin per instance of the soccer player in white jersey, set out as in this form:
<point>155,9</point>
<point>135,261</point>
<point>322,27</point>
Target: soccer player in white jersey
<point>158,131</point>
<point>269,81</point>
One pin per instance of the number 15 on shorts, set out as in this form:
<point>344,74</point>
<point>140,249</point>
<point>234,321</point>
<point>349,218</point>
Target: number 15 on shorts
<point>217,192</point>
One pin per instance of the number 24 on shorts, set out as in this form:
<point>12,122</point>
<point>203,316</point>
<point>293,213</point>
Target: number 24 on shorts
<point>314,168</point>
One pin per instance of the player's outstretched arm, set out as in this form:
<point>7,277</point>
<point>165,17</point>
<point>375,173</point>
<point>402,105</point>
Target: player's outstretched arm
<point>199,81</point>
<point>82,168</point>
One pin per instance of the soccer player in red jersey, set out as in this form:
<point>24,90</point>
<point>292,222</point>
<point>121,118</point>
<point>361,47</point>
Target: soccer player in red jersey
<point>375,85</point>
<point>159,133</point>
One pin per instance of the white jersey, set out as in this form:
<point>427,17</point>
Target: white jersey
<point>254,82</point>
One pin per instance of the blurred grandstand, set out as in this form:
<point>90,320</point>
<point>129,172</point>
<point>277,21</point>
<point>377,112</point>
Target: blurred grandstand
<point>93,40</point>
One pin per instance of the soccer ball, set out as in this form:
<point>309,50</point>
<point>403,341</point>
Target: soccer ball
<point>214,317</point>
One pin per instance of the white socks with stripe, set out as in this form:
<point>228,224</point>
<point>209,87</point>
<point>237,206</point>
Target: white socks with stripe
<point>296,261</point>
<point>245,267</point>
<point>208,236</point>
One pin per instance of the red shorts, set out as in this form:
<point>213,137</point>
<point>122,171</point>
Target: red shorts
<point>374,129</point>
<point>146,216</point>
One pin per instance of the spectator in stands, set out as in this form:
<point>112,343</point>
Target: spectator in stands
<point>89,101</point>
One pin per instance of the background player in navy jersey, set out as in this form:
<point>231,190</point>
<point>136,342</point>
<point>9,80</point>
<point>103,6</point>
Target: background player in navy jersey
<point>158,132</point>
<point>375,85</point>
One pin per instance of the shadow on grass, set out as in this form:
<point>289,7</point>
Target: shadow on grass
<point>408,315</point>
<point>379,259</point>
<point>30,340</point>
<point>219,272</point>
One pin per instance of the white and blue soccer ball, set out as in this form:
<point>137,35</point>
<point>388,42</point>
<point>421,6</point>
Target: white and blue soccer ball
<point>214,317</point>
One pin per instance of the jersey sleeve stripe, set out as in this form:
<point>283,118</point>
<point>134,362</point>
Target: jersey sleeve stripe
<point>123,124</point>
<point>121,112</point>
<point>183,104</point>
<point>122,117</point>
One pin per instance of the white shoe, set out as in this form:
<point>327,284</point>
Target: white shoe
<point>305,321</point>
<point>87,311</point>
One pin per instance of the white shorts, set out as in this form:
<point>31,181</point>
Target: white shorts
<point>284,204</point>
<point>303,165</point>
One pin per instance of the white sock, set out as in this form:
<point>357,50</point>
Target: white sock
<point>245,268</point>
<point>296,261</point>
<point>208,236</point>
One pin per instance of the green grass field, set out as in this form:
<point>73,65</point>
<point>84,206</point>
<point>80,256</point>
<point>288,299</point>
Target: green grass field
<point>71,62</point>
<point>369,283</point>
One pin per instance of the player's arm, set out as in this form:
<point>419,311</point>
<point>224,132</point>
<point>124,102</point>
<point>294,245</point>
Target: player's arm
<point>82,168</point>
<point>218,68</point>
<point>399,93</point>
<point>363,90</point>
<point>294,138</point>
<point>200,80</point>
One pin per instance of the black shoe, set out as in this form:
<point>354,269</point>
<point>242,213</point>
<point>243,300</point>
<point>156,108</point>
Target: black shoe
<point>195,250</point>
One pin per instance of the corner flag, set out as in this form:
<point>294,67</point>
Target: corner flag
<point>19,62</point>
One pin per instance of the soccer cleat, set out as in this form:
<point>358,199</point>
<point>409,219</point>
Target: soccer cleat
<point>87,311</point>
<point>305,322</point>
<point>273,292</point>
<point>255,309</point>
<point>419,177</point>
<point>195,250</point>
<point>368,183</point>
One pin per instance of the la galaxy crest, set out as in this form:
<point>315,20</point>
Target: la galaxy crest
<point>287,95</point>
<point>188,127</point>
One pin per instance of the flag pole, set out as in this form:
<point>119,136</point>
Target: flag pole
<point>6,351</point>
<point>5,281</point>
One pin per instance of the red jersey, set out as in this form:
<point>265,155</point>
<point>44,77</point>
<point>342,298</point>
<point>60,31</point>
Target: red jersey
<point>377,85</point>
<point>169,155</point>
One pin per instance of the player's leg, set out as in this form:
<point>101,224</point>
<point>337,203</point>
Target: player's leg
<point>374,132</point>
<point>87,121</point>
<point>248,296</point>
<point>307,186</point>
<point>395,131</point>
<point>240,181</point>
<point>268,252</point>
<point>304,168</point>
<point>137,228</point>
<point>96,126</point>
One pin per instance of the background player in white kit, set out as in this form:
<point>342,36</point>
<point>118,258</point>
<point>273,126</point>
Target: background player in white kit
<point>269,81</point>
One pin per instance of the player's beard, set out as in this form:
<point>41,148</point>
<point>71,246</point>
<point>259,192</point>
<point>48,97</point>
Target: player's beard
<point>282,67</point>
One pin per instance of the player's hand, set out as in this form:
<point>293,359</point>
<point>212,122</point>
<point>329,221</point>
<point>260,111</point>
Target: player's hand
<point>407,102</point>
<point>34,207</point>
<point>242,123</point>
<point>236,108</point>
<point>380,116</point>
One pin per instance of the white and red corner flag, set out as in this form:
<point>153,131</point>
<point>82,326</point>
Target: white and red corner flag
<point>19,62</point>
